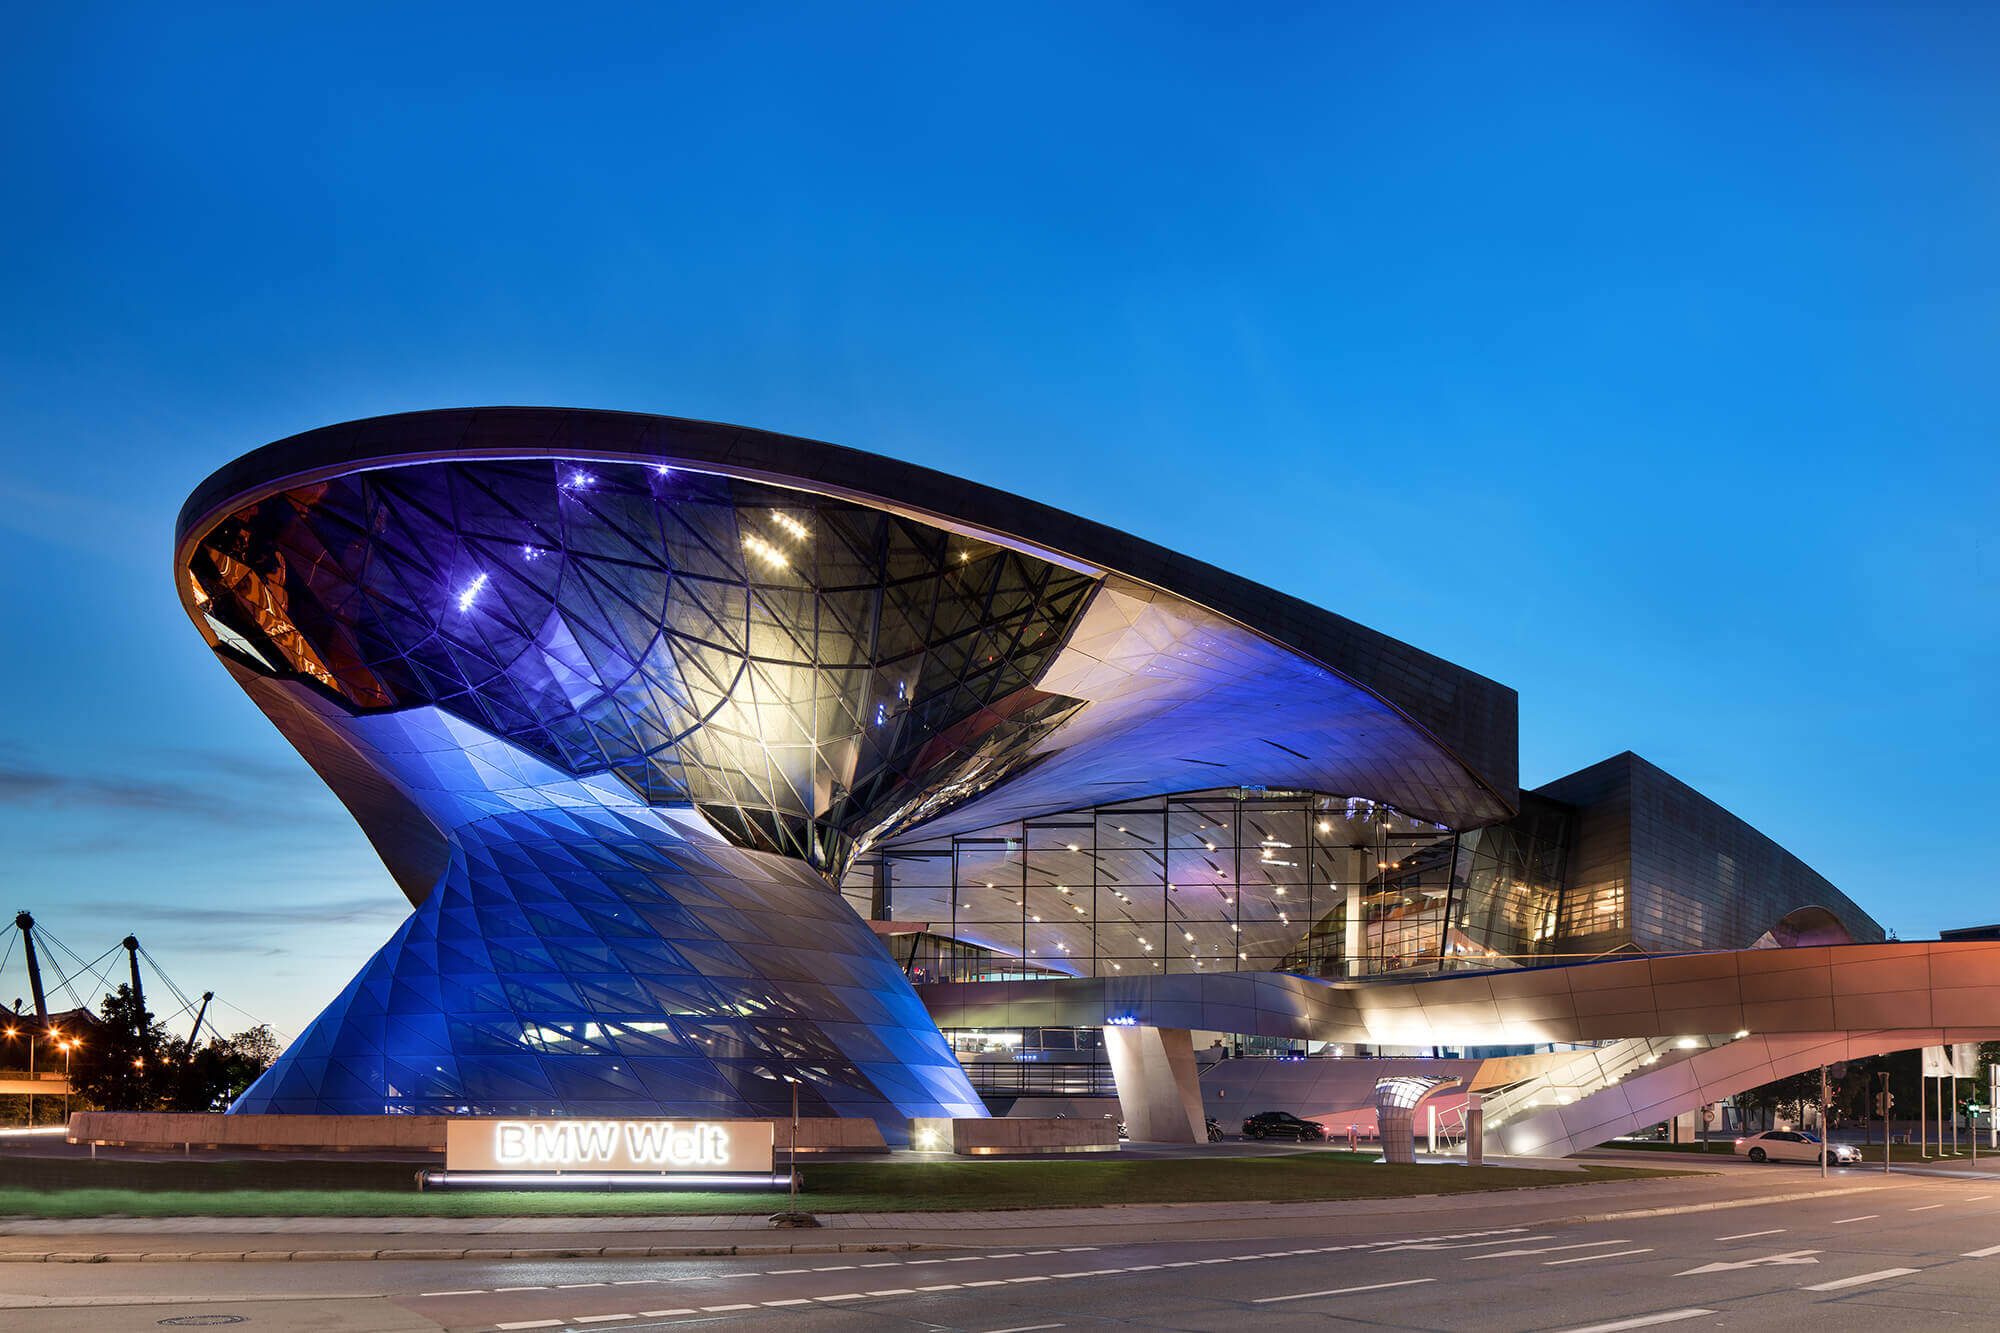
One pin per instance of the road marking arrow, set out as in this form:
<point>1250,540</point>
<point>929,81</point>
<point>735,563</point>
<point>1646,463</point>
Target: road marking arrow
<point>1767,1261</point>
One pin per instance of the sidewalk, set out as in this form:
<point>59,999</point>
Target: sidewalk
<point>97,1240</point>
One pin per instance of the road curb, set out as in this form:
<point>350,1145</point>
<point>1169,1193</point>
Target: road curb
<point>1717,1205</point>
<point>406,1255</point>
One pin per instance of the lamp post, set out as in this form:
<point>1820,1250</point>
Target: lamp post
<point>792,1217</point>
<point>68,1048</point>
<point>11,1034</point>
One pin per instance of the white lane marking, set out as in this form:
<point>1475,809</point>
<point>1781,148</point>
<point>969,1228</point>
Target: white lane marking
<point>1746,1235</point>
<point>572,1286</point>
<point>1865,1217</point>
<point>1926,1208</point>
<point>1467,1245</point>
<point>1342,1291</point>
<point>537,1323</point>
<point>1977,1197</point>
<point>1762,1261</point>
<point>1027,1279</point>
<point>718,1309</point>
<point>1986,1253</point>
<point>498,1290</point>
<point>476,1291</point>
<point>1593,1258</point>
<point>662,1314</point>
<point>1877,1276</point>
<point>633,1281</point>
<point>784,1272</point>
<point>833,1268</point>
<point>603,1318</point>
<point>1641,1321</point>
<point>1544,1249</point>
<point>841,1296</point>
<point>894,1291</point>
<point>796,1300</point>
<point>997,1282</point>
<point>915,1262</point>
<point>1027,1328</point>
<point>891,1264</point>
<point>942,1286</point>
<point>1079,1249</point>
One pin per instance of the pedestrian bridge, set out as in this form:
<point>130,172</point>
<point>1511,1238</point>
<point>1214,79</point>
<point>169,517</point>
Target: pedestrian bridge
<point>1671,1033</point>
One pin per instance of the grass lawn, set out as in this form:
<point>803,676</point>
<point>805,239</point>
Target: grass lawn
<point>833,1187</point>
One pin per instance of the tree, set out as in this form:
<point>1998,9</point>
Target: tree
<point>117,1065</point>
<point>209,1077</point>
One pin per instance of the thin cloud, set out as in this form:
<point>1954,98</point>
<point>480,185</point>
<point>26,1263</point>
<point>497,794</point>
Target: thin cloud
<point>228,792</point>
<point>325,912</point>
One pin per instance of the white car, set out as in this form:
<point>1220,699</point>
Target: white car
<point>1793,1145</point>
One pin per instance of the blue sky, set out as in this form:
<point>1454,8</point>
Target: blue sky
<point>1641,359</point>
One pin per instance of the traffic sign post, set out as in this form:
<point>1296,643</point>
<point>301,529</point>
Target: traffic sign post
<point>1823,1127</point>
<point>1884,1103</point>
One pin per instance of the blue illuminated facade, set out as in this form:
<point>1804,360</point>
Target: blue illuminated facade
<point>627,703</point>
<point>585,953</point>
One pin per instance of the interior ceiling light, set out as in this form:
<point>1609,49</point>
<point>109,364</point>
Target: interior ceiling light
<point>470,591</point>
<point>764,551</point>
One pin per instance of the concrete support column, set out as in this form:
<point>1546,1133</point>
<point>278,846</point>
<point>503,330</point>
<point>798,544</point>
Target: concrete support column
<point>1353,941</point>
<point>1158,1091</point>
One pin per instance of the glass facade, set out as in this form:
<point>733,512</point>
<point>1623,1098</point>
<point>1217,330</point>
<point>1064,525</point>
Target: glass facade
<point>811,673</point>
<point>584,953</point>
<point>626,732</point>
<point>1242,879</point>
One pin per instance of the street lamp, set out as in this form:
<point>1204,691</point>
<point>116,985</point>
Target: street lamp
<point>792,1217</point>
<point>11,1034</point>
<point>69,1046</point>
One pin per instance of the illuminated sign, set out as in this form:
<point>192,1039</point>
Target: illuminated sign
<point>707,1146</point>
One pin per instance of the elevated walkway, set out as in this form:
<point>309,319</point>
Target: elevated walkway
<point>1546,1117</point>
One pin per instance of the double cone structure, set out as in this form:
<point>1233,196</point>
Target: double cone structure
<point>619,699</point>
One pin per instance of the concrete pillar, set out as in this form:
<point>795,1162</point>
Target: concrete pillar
<point>1357,874</point>
<point>1158,1092</point>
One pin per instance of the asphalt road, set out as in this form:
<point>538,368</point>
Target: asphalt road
<point>1917,1254</point>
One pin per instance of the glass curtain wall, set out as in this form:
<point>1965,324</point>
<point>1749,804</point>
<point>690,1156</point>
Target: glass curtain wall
<point>1235,880</point>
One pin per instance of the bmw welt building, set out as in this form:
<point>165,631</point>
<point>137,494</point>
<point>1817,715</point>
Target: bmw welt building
<point>710,759</point>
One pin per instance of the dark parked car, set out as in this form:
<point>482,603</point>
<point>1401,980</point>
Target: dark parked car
<point>1282,1125</point>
